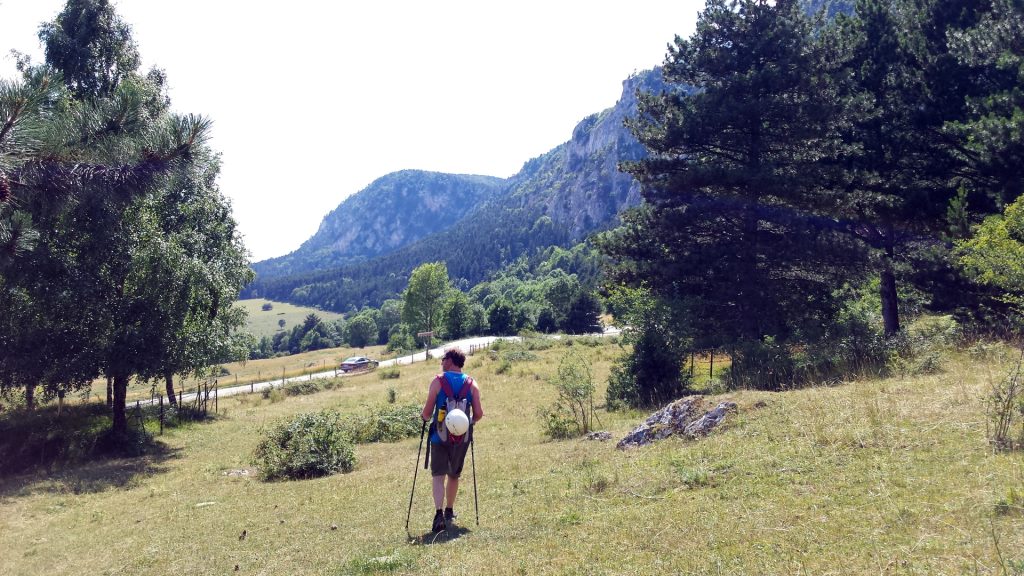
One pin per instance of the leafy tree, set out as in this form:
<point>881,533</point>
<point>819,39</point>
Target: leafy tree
<point>190,266</point>
<point>456,314</point>
<point>995,255</point>
<point>504,318</point>
<point>652,373</point>
<point>101,166</point>
<point>70,189</point>
<point>583,315</point>
<point>92,47</point>
<point>423,298</point>
<point>390,315</point>
<point>478,319</point>
<point>400,337</point>
<point>547,321</point>
<point>362,330</point>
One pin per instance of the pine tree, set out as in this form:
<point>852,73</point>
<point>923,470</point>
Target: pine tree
<point>731,235</point>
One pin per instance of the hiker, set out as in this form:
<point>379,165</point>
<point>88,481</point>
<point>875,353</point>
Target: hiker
<point>450,390</point>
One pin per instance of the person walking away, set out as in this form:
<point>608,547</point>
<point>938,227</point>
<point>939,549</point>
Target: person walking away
<point>450,391</point>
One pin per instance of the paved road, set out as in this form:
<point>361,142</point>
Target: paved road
<point>467,345</point>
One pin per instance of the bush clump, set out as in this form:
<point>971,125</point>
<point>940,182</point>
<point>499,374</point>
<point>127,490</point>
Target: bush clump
<point>308,446</point>
<point>301,388</point>
<point>387,423</point>
<point>389,373</point>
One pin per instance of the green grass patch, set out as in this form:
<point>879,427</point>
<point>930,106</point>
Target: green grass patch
<point>875,476</point>
<point>266,322</point>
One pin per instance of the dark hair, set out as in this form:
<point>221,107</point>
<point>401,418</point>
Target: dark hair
<point>455,355</point>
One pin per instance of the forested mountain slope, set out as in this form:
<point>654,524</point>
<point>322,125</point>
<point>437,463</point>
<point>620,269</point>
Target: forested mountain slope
<point>557,199</point>
<point>392,212</point>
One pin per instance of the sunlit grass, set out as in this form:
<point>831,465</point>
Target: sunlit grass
<point>889,476</point>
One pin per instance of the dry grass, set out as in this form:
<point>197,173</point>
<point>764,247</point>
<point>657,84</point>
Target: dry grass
<point>877,477</point>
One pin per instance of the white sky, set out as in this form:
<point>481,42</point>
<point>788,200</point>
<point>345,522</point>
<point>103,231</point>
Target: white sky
<point>313,100</point>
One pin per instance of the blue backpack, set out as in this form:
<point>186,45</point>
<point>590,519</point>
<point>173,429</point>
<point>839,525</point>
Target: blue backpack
<point>453,401</point>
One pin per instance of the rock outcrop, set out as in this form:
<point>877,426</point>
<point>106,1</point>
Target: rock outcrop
<point>686,416</point>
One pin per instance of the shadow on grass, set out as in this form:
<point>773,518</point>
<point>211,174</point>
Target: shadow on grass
<point>441,537</point>
<point>74,452</point>
<point>104,472</point>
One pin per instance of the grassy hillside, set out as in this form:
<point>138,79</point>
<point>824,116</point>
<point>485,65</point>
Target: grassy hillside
<point>890,476</point>
<point>265,322</point>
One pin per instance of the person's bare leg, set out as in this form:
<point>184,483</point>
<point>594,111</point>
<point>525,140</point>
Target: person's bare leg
<point>438,491</point>
<point>451,491</point>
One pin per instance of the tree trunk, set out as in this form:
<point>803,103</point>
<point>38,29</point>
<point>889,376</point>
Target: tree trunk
<point>890,300</point>
<point>30,396</point>
<point>119,414</point>
<point>110,393</point>
<point>169,378</point>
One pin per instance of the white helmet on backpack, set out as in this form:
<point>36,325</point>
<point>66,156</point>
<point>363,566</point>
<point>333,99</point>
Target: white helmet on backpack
<point>456,422</point>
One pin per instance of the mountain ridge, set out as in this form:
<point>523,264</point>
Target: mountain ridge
<point>556,199</point>
<point>393,211</point>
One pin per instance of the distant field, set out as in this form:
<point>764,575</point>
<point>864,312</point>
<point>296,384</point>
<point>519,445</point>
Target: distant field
<point>265,322</point>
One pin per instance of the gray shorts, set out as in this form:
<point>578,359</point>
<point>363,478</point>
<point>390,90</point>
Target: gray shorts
<point>447,459</point>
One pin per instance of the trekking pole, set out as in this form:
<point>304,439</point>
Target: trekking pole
<point>476,501</point>
<point>415,471</point>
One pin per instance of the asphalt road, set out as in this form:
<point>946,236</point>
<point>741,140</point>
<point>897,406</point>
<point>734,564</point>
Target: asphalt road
<point>435,353</point>
<point>467,345</point>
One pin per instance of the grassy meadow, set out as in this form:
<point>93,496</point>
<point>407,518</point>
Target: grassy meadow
<point>881,476</point>
<point>266,322</point>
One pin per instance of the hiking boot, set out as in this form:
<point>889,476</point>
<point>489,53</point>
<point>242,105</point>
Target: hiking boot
<point>439,523</point>
<point>449,518</point>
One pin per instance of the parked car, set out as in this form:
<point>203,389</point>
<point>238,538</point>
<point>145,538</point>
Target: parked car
<point>357,363</point>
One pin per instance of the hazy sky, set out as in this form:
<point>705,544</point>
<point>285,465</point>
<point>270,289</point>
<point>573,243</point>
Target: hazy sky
<point>314,100</point>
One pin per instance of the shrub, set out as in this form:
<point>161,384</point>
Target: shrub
<point>392,395</point>
<point>1013,503</point>
<point>308,446</point>
<point>649,376</point>
<point>275,395</point>
<point>389,373</point>
<point>573,413</point>
<point>385,424</point>
<point>1006,405</point>
<point>301,388</point>
<point>267,306</point>
<point>504,367</point>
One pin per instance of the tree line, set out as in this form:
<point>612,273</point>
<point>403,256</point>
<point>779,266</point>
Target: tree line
<point>555,291</point>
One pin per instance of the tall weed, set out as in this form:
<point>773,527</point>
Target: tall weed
<point>1005,424</point>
